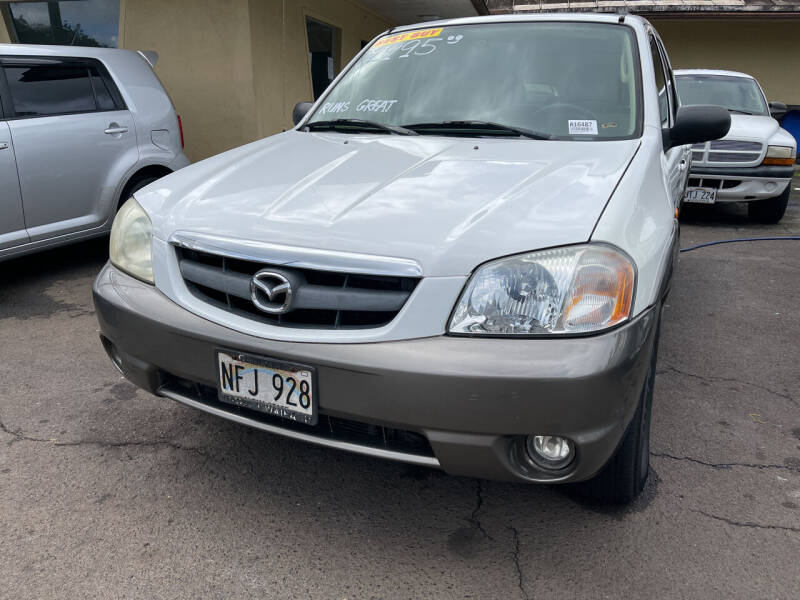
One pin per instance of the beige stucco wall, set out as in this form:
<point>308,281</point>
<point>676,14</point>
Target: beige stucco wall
<point>204,62</point>
<point>235,68</point>
<point>280,50</point>
<point>763,47</point>
<point>4,37</point>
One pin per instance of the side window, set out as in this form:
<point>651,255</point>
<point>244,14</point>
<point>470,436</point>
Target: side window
<point>661,83</point>
<point>4,102</point>
<point>43,90</point>
<point>673,92</point>
<point>101,91</point>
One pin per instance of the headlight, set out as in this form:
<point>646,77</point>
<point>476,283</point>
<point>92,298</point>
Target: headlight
<point>575,289</point>
<point>779,155</point>
<point>131,247</point>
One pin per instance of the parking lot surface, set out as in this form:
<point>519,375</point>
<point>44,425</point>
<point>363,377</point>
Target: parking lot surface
<point>108,492</point>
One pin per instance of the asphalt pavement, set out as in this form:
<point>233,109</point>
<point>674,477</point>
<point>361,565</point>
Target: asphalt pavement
<point>108,492</point>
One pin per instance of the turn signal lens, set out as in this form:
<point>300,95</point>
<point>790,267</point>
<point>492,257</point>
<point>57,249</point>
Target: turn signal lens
<point>180,128</point>
<point>574,289</point>
<point>601,293</point>
<point>779,155</point>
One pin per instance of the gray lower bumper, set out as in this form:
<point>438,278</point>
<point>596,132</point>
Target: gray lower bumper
<point>473,399</point>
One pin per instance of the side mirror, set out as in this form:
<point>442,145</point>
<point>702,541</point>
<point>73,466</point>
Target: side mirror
<point>301,110</point>
<point>777,110</point>
<point>697,123</point>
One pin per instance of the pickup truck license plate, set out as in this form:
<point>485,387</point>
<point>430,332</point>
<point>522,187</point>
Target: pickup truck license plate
<point>272,386</point>
<point>700,195</point>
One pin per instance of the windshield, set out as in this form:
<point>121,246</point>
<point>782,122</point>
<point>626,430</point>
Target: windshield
<point>576,81</point>
<point>738,94</point>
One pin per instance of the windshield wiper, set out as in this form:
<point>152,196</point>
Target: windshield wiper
<point>358,125</point>
<point>740,111</point>
<point>487,127</point>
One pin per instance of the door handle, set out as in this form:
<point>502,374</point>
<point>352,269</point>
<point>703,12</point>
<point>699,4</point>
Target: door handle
<point>115,129</point>
<point>3,145</point>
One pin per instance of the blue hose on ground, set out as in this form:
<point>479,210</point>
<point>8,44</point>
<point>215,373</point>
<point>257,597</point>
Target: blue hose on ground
<point>757,239</point>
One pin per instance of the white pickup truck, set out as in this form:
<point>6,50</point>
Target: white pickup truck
<point>754,163</point>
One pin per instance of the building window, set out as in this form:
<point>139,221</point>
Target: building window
<point>66,23</point>
<point>323,50</point>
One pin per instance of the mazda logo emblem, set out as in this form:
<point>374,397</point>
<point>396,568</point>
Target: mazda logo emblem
<point>271,292</point>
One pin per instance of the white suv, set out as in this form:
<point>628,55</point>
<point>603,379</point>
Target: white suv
<point>754,163</point>
<point>80,130</point>
<point>457,258</point>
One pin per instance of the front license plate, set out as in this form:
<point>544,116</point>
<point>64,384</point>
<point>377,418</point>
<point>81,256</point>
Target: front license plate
<point>700,195</point>
<point>272,386</point>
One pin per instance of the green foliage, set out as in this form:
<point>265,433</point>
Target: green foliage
<point>66,35</point>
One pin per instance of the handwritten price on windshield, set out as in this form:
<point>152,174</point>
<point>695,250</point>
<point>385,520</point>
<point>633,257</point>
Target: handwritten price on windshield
<point>420,45</point>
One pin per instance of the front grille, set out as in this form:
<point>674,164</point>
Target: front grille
<point>327,427</point>
<point>320,299</point>
<point>731,157</point>
<point>736,146</point>
<point>726,152</point>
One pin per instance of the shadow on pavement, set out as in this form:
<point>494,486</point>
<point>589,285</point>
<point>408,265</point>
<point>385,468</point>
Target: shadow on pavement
<point>50,282</point>
<point>715,214</point>
<point>64,261</point>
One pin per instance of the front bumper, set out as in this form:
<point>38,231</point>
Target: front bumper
<point>472,399</point>
<point>737,184</point>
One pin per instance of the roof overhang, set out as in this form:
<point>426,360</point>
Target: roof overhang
<point>655,8</point>
<point>406,12</point>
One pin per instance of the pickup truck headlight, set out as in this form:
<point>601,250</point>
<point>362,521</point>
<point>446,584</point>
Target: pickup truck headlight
<point>779,155</point>
<point>569,290</point>
<point>131,247</point>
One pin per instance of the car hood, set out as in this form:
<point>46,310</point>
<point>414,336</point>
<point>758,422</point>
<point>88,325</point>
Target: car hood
<point>759,128</point>
<point>447,203</point>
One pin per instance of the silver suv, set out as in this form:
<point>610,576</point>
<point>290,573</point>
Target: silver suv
<point>80,130</point>
<point>457,258</point>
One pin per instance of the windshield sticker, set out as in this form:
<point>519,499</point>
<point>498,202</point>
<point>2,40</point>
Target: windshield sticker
<point>335,107</point>
<point>610,125</point>
<point>422,43</point>
<point>405,37</point>
<point>375,105</point>
<point>585,127</point>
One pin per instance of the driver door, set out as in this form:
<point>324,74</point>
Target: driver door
<point>12,222</point>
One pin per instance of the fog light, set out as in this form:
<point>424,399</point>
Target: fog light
<point>549,451</point>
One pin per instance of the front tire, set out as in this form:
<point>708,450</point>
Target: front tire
<point>770,210</point>
<point>624,476</point>
<point>134,185</point>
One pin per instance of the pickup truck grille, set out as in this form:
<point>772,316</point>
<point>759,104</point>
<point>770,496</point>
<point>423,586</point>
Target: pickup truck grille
<point>320,299</point>
<point>727,152</point>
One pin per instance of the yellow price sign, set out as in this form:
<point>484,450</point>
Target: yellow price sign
<point>408,36</point>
